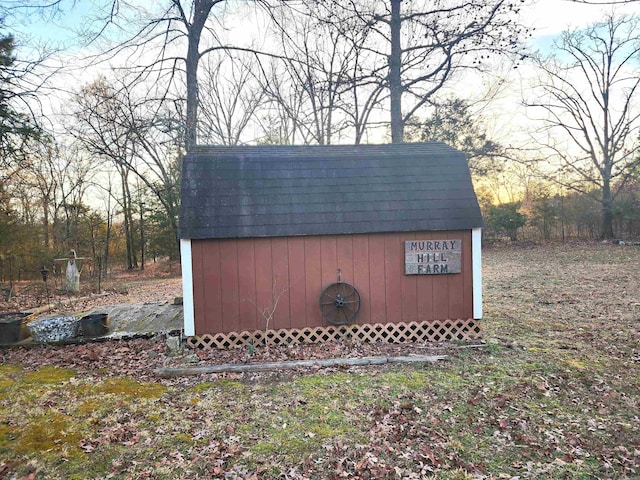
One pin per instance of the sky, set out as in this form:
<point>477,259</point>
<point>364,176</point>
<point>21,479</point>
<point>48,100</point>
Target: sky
<point>547,17</point>
<point>551,17</point>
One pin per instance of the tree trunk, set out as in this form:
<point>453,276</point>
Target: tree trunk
<point>201,11</point>
<point>107,240</point>
<point>607,213</point>
<point>141,235</point>
<point>395,79</point>
<point>128,223</point>
<point>174,226</point>
<point>192,95</point>
<point>132,243</point>
<point>127,228</point>
<point>45,221</point>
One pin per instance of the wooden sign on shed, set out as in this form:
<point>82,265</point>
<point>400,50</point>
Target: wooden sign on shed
<point>432,257</point>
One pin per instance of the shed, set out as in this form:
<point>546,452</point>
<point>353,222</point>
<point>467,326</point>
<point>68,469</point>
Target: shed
<point>265,229</point>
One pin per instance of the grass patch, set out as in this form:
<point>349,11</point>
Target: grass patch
<point>49,374</point>
<point>8,370</point>
<point>47,434</point>
<point>127,387</point>
<point>5,383</point>
<point>299,432</point>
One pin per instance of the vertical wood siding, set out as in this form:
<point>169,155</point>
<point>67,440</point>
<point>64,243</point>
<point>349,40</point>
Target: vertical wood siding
<point>235,279</point>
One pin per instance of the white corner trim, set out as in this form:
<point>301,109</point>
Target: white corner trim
<point>476,255</point>
<point>187,287</point>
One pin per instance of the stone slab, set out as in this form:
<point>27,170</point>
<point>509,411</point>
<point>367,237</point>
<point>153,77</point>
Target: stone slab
<point>137,319</point>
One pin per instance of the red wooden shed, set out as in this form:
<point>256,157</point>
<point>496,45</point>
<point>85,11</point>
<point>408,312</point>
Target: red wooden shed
<point>266,229</point>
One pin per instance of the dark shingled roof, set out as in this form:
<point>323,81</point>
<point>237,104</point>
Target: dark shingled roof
<point>268,191</point>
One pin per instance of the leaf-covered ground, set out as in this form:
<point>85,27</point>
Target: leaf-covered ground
<point>554,394</point>
<point>158,282</point>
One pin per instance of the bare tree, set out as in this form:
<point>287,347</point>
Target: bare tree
<point>168,40</point>
<point>74,173</point>
<point>41,175</point>
<point>279,121</point>
<point>230,97</point>
<point>140,137</point>
<point>268,311</point>
<point>321,88</point>
<point>155,35</point>
<point>589,96</point>
<point>417,48</point>
<point>101,126</point>
<point>316,67</point>
<point>55,180</point>
<point>604,2</point>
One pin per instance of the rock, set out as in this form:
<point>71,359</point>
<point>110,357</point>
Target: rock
<point>174,345</point>
<point>134,319</point>
<point>191,358</point>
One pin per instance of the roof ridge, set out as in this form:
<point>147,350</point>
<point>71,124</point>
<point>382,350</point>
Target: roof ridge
<point>411,147</point>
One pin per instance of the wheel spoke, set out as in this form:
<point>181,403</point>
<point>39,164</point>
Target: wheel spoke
<point>353,307</point>
<point>325,294</point>
<point>351,313</point>
<point>348,307</point>
<point>353,290</point>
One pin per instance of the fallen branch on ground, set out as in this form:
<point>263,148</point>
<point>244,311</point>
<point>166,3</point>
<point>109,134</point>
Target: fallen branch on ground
<point>266,366</point>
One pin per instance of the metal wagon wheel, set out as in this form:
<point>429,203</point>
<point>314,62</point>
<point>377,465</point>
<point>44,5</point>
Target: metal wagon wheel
<point>340,303</point>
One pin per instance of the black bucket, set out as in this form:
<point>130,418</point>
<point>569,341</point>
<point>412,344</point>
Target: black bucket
<point>11,324</point>
<point>94,325</point>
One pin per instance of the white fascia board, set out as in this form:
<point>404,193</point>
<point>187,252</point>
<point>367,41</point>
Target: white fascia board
<point>187,287</point>
<point>476,255</point>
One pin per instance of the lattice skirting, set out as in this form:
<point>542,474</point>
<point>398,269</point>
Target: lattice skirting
<point>448,330</point>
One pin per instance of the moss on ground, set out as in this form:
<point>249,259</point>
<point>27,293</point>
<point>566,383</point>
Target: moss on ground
<point>126,387</point>
<point>50,433</point>
<point>48,418</point>
<point>49,374</point>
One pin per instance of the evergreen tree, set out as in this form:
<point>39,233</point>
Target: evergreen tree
<point>16,129</point>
